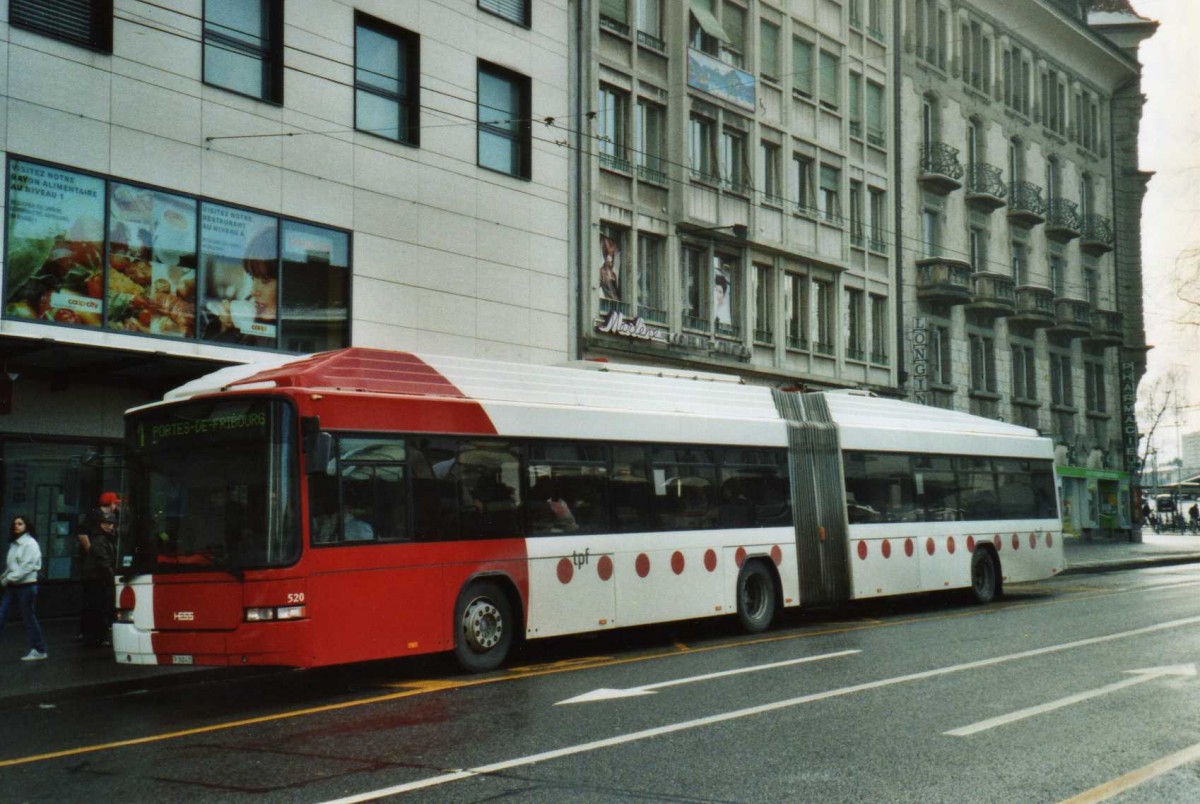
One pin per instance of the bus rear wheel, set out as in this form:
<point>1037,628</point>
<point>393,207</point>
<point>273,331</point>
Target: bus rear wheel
<point>483,627</point>
<point>756,595</point>
<point>985,576</point>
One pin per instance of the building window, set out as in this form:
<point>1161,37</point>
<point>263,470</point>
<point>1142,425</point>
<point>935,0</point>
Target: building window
<point>614,15</point>
<point>734,173</point>
<point>797,328</point>
<point>733,20</point>
<point>1091,285</point>
<point>931,33</point>
<point>1058,275</point>
<point>503,114</point>
<point>829,201</point>
<point>931,231</point>
<point>243,47</point>
<point>386,80</point>
<point>1061,391</point>
<point>802,182</point>
<point>512,10</point>
<point>879,330</point>
<point>875,117</point>
<point>1020,262</point>
<point>652,288</point>
<point>983,363</point>
<point>857,237</point>
<point>649,23</point>
<point>1094,387</point>
<point>768,157</point>
<point>614,276</point>
<point>764,304</point>
<point>940,363</point>
<point>649,124</point>
<point>878,219</point>
<point>1024,373</point>
<point>823,313</point>
<point>612,109</point>
<point>831,88</point>
<point>977,248</point>
<point>875,18</point>
<point>802,67</point>
<point>854,101</point>
<point>695,287</point>
<point>855,325</point>
<point>81,22</point>
<point>727,300</point>
<point>768,50</point>
<point>701,148</point>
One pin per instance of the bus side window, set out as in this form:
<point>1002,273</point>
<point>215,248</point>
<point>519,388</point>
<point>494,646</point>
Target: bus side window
<point>323,508</point>
<point>629,488</point>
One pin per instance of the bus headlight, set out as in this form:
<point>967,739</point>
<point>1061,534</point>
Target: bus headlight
<point>268,613</point>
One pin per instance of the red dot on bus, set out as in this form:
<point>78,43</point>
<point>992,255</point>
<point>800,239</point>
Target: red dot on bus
<point>677,562</point>
<point>777,555</point>
<point>908,547</point>
<point>565,570</point>
<point>996,540</point>
<point>1049,539</point>
<point>887,548</point>
<point>950,545</point>
<point>1033,541</point>
<point>739,557</point>
<point>1016,542</point>
<point>970,544</point>
<point>930,546</point>
<point>862,550</point>
<point>604,568</point>
<point>642,565</point>
<point>710,560</point>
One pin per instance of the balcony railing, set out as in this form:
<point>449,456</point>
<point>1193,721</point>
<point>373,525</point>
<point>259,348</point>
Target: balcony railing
<point>1026,207</point>
<point>728,330</point>
<point>652,315</point>
<point>796,340</point>
<point>1035,308</point>
<point>764,336</point>
<point>651,174</point>
<point>614,162</point>
<point>945,280</point>
<point>985,186</point>
<point>823,347</point>
<point>1107,329</point>
<point>616,26</point>
<point>1072,318</point>
<point>611,305</point>
<point>941,171</point>
<point>695,323</point>
<point>992,295</point>
<point>1097,235</point>
<point>650,41</point>
<point>1062,220</point>
<point>880,358</point>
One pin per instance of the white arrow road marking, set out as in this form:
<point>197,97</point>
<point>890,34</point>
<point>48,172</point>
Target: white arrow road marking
<point>1140,677</point>
<point>737,714</point>
<point>607,694</point>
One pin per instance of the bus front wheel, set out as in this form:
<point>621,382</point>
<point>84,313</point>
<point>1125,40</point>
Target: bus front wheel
<point>755,597</point>
<point>483,625</point>
<point>985,576</point>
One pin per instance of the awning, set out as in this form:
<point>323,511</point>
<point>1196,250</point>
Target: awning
<point>708,23</point>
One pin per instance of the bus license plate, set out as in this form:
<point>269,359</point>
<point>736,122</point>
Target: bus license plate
<point>181,658</point>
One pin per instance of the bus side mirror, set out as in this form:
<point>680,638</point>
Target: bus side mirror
<point>321,454</point>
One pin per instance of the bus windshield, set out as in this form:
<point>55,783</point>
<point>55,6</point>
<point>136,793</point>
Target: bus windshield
<point>213,484</point>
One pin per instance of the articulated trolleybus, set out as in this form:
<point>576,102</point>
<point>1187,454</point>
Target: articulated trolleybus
<point>362,504</point>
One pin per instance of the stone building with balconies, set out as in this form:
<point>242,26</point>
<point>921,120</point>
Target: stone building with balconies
<point>734,207</point>
<point>1016,257</point>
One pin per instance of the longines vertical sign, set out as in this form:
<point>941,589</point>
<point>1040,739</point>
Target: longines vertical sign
<point>1129,427</point>
<point>918,340</point>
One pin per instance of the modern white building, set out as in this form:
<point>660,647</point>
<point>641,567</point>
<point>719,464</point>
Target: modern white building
<point>198,183</point>
<point>1018,211</point>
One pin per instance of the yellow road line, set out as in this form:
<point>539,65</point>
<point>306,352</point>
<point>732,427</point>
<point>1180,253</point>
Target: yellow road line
<point>424,687</point>
<point>1136,777</point>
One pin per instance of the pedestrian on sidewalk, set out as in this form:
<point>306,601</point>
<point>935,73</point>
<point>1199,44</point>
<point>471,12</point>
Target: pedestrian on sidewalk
<point>109,503</point>
<point>98,581</point>
<point>20,583</point>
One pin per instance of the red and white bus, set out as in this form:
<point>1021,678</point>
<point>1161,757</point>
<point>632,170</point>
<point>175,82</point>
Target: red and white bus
<point>362,504</point>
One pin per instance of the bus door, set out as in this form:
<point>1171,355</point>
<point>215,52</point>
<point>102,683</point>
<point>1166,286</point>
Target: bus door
<point>814,458</point>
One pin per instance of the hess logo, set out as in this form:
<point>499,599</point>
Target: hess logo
<point>184,616</point>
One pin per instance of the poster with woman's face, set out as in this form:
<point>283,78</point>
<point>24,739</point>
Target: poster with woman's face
<point>151,262</point>
<point>610,268</point>
<point>54,271</point>
<point>723,295</point>
<point>240,269</point>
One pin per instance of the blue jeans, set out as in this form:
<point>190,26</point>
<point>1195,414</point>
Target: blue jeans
<point>26,597</point>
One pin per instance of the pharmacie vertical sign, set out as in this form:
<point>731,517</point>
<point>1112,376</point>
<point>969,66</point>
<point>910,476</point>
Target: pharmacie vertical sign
<point>1129,427</point>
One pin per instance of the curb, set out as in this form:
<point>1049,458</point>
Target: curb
<point>62,694</point>
<point>1094,568</point>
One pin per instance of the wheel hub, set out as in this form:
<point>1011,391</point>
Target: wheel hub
<point>482,625</point>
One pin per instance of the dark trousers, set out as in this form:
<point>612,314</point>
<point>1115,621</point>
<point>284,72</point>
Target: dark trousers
<point>96,618</point>
<point>26,597</point>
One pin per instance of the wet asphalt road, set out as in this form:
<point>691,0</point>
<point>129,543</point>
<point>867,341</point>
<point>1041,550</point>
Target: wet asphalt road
<point>920,699</point>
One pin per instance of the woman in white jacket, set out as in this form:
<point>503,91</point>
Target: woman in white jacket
<point>20,583</point>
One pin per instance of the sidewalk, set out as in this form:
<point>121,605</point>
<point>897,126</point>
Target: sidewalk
<point>73,671</point>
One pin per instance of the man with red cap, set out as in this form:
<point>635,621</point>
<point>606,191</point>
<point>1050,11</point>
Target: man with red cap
<point>97,554</point>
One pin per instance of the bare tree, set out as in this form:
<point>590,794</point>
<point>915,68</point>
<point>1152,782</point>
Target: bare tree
<point>1155,401</point>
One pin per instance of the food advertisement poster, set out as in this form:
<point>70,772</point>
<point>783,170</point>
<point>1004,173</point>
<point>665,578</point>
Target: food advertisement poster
<point>241,276</point>
<point>152,262</point>
<point>55,245</point>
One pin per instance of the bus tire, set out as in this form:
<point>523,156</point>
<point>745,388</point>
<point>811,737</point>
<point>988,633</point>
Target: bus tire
<point>985,576</point>
<point>483,626</point>
<point>756,595</point>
